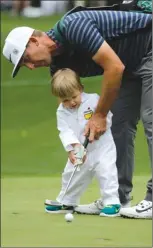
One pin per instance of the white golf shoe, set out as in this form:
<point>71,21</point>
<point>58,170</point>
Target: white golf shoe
<point>92,208</point>
<point>143,210</point>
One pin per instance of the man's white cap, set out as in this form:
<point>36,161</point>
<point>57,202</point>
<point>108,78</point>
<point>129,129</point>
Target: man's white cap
<point>15,45</point>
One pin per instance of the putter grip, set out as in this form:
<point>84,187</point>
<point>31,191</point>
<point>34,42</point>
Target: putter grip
<point>85,144</point>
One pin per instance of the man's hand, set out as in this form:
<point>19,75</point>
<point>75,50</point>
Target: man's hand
<point>96,126</point>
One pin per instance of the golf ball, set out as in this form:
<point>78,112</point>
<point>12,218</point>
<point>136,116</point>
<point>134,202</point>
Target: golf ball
<point>69,217</point>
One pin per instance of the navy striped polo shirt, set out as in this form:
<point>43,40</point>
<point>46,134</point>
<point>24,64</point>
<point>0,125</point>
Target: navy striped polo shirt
<point>85,32</point>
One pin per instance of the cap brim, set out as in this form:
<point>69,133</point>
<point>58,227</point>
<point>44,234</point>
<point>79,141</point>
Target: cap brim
<point>15,71</point>
<point>17,66</point>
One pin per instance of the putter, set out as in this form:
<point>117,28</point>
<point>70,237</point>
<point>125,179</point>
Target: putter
<point>55,203</point>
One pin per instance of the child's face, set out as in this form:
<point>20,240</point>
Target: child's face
<point>72,102</point>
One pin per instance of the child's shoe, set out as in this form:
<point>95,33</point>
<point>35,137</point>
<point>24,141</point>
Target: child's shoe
<point>111,210</point>
<point>54,207</point>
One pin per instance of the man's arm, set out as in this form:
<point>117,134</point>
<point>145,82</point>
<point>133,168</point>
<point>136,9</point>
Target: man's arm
<point>113,71</point>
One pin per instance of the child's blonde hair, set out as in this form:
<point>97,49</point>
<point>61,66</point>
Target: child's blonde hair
<point>65,82</point>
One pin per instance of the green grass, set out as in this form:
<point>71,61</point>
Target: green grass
<point>25,224</point>
<point>32,159</point>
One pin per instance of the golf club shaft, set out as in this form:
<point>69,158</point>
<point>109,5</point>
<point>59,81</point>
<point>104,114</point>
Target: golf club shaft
<point>85,144</point>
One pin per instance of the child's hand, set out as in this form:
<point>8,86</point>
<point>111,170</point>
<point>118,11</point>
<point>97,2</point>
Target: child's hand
<point>72,157</point>
<point>79,153</point>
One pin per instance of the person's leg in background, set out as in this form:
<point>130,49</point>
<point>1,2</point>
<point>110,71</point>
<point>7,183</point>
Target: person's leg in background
<point>144,208</point>
<point>36,3</point>
<point>34,9</point>
<point>18,6</point>
<point>70,4</point>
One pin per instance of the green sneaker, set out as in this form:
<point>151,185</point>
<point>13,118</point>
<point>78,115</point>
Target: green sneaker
<point>111,210</point>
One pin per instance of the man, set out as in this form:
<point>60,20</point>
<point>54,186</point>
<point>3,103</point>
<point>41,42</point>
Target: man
<point>113,43</point>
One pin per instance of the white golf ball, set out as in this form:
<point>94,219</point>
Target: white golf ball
<point>69,217</point>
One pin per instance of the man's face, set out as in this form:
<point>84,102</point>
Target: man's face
<point>36,55</point>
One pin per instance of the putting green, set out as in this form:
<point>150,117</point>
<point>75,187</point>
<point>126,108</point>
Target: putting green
<point>25,224</point>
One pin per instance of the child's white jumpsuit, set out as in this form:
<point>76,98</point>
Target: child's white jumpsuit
<point>101,154</point>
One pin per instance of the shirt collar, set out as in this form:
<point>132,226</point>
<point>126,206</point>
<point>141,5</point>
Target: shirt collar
<point>51,34</point>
